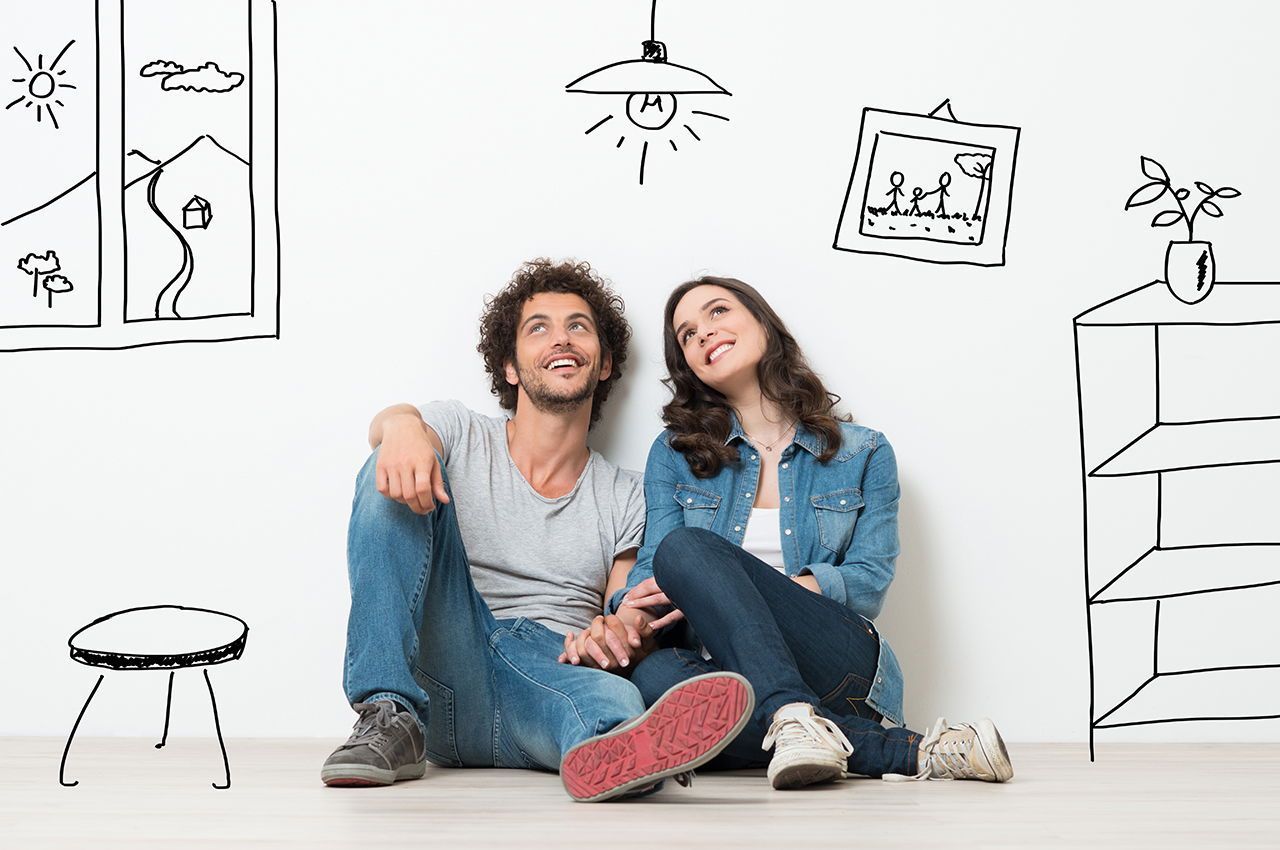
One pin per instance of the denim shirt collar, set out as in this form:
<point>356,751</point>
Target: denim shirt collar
<point>804,438</point>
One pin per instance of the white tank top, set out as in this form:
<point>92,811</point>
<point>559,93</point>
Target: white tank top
<point>763,537</point>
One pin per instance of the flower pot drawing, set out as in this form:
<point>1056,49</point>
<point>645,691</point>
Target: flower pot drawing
<point>1189,270</point>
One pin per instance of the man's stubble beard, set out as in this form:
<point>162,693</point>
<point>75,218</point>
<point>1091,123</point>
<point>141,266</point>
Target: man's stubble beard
<point>546,399</point>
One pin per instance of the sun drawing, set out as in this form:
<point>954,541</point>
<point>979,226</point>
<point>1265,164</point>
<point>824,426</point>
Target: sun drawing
<point>41,85</point>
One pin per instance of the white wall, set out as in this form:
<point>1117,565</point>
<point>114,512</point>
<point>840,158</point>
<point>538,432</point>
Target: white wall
<point>428,147</point>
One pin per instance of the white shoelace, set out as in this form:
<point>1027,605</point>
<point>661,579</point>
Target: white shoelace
<point>948,758</point>
<point>800,730</point>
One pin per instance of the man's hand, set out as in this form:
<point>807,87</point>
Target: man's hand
<point>611,642</point>
<point>408,471</point>
<point>647,594</point>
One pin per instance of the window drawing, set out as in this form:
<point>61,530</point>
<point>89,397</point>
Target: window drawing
<point>195,146</point>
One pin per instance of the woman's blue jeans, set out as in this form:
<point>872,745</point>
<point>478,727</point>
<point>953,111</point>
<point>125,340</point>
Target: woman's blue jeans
<point>488,692</point>
<point>791,644</point>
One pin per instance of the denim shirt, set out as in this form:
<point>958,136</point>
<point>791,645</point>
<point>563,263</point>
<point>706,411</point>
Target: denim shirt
<point>839,521</point>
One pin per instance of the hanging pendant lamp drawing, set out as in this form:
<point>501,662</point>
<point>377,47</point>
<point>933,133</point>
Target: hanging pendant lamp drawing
<point>650,85</point>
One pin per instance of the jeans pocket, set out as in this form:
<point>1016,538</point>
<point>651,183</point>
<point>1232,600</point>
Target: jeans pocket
<point>849,698</point>
<point>440,745</point>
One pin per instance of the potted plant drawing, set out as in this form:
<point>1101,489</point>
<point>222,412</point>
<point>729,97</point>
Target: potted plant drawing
<point>1188,265</point>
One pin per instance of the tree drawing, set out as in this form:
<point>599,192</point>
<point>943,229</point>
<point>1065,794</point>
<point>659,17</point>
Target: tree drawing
<point>976,165</point>
<point>56,283</point>
<point>36,265</point>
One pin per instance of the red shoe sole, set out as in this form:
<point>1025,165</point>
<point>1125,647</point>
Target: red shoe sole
<point>353,783</point>
<point>687,727</point>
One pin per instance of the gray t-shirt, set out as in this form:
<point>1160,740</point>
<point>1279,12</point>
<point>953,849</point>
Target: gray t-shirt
<point>545,559</point>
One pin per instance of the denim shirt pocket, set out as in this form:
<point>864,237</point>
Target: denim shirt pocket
<point>699,506</point>
<point>836,514</point>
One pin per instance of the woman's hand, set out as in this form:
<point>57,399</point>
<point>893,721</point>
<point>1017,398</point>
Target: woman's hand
<point>647,594</point>
<point>808,581</point>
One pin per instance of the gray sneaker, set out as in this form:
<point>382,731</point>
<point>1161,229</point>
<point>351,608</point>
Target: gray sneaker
<point>385,747</point>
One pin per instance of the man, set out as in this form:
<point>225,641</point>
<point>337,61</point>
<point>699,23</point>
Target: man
<point>475,543</point>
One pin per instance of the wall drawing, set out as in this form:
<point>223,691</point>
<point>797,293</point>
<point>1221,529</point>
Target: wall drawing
<point>196,110</point>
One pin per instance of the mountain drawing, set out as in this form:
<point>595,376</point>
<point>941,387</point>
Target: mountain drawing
<point>188,233</point>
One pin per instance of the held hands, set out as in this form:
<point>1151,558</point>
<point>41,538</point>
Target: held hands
<point>611,642</point>
<point>408,471</point>
<point>647,594</point>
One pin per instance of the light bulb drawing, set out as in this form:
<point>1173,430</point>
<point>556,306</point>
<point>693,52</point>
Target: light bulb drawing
<point>41,85</point>
<point>650,84</point>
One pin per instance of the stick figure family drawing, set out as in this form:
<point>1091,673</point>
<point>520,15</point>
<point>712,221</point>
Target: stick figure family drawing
<point>895,192</point>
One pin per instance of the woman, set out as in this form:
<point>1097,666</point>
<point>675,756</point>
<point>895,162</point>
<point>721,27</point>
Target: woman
<point>772,529</point>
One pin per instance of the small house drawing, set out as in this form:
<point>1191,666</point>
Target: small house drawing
<point>197,213</point>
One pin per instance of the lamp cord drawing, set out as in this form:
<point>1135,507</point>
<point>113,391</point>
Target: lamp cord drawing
<point>650,84</point>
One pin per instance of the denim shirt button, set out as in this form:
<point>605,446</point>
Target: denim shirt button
<point>688,501</point>
<point>737,528</point>
<point>787,531</point>
<point>844,501</point>
<point>753,457</point>
<point>785,465</point>
<point>786,498</point>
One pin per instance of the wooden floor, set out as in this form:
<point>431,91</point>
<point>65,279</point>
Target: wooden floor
<point>132,795</point>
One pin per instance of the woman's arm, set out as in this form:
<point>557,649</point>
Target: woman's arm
<point>862,579</point>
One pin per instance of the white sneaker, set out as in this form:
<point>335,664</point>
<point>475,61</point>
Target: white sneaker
<point>807,748</point>
<point>962,751</point>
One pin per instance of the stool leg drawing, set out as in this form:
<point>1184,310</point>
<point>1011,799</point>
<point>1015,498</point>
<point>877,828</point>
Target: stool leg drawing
<point>63,766</point>
<point>168,703</point>
<point>226,766</point>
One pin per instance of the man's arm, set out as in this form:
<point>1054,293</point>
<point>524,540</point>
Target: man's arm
<point>408,458</point>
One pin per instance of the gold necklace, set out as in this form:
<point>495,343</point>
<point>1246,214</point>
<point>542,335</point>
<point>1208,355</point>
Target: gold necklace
<point>768,447</point>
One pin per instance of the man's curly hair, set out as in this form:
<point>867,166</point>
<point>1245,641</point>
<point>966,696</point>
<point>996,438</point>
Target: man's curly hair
<point>501,318</point>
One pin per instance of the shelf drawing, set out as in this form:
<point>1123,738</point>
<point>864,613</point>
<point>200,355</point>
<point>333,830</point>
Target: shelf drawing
<point>197,208</point>
<point>1232,304</point>
<point>1151,539</point>
<point>1175,571</point>
<point>1250,692</point>
<point>1174,446</point>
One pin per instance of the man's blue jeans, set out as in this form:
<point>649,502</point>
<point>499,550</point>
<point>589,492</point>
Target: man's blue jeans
<point>488,693</point>
<point>791,644</point>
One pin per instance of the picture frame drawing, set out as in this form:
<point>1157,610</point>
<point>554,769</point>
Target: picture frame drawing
<point>929,188</point>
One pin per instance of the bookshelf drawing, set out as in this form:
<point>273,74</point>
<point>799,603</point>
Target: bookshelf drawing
<point>1179,421</point>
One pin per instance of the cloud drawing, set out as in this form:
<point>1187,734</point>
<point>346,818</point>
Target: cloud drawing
<point>206,78</point>
<point>160,68</point>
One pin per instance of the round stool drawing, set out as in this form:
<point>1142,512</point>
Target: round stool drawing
<point>158,637</point>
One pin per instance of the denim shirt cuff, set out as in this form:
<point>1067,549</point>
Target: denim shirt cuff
<point>615,601</point>
<point>829,580</point>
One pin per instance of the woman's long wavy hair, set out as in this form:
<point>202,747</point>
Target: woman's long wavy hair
<point>699,416</point>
